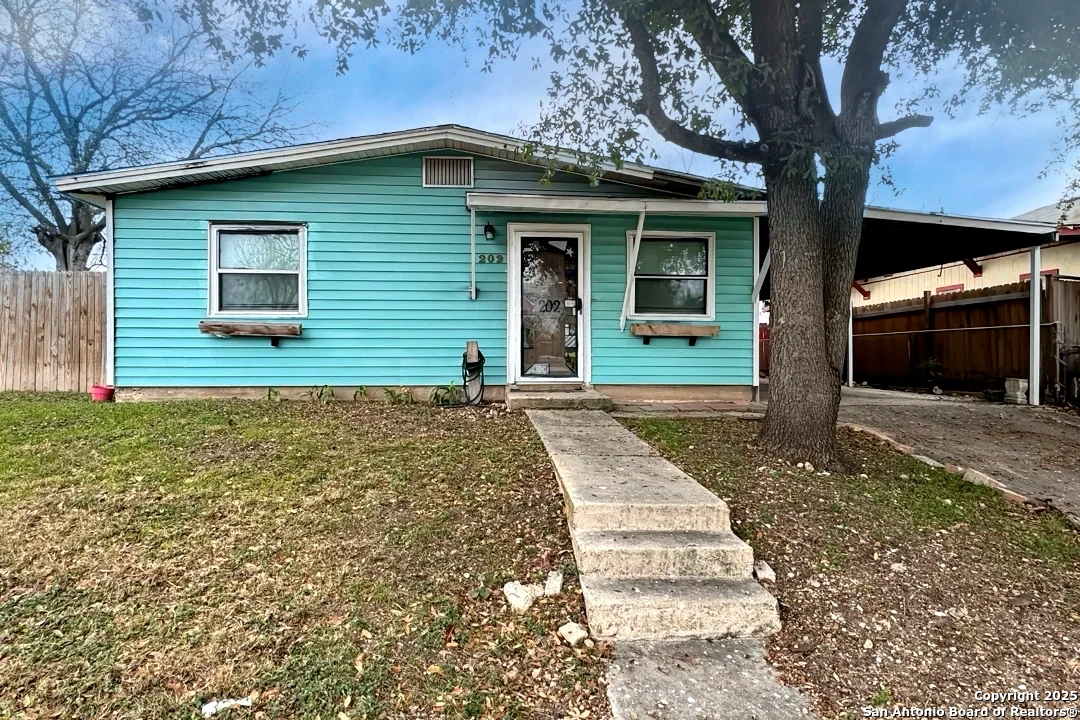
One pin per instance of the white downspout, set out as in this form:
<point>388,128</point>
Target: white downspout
<point>635,246</point>
<point>1036,327</point>
<point>472,254</point>
<point>110,295</point>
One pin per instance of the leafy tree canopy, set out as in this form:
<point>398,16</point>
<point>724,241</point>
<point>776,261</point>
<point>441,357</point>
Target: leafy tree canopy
<point>697,70</point>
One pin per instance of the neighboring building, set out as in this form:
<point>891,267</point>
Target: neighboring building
<point>372,261</point>
<point>1059,258</point>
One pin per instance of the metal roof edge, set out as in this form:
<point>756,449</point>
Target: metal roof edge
<point>1023,226</point>
<point>323,152</point>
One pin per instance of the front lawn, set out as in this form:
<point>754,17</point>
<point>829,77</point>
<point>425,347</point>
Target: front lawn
<point>899,584</point>
<point>337,561</point>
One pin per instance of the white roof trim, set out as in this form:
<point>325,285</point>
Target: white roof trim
<point>1020,226</point>
<point>516,202</point>
<point>511,202</point>
<point>321,153</point>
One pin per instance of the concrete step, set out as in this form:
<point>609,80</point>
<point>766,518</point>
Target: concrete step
<point>662,554</point>
<point>557,400</point>
<point>548,387</point>
<point>650,609</point>
<point>636,493</point>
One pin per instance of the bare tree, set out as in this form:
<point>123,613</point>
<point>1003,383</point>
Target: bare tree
<point>85,86</point>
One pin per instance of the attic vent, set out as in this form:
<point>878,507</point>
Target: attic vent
<point>448,172</point>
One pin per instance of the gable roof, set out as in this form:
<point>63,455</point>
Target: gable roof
<point>1065,213</point>
<point>93,187</point>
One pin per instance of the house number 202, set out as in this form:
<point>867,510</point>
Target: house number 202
<point>490,258</point>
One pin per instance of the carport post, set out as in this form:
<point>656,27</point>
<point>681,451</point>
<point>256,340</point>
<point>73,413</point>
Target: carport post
<point>1035,361</point>
<point>851,344</point>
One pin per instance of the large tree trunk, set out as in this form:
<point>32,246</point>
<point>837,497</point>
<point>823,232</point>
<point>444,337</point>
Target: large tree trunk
<point>814,247</point>
<point>842,210</point>
<point>803,389</point>
<point>72,245</point>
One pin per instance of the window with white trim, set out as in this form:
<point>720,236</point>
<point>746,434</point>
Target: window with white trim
<point>675,276</point>
<point>258,270</point>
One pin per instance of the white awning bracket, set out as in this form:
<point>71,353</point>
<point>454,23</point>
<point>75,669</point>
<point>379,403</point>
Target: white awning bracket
<point>631,267</point>
<point>759,281</point>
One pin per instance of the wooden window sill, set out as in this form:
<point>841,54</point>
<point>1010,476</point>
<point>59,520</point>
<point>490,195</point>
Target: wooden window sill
<point>273,330</point>
<point>647,331</point>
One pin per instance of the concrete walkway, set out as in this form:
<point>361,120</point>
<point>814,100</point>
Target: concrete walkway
<point>662,575</point>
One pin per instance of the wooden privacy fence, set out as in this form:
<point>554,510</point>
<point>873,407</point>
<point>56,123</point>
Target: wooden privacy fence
<point>52,330</point>
<point>969,340</point>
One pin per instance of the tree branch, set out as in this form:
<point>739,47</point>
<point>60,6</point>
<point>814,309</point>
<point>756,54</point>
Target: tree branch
<point>651,106</point>
<point>811,21</point>
<point>725,55</point>
<point>863,78</point>
<point>775,40</point>
<point>895,127</point>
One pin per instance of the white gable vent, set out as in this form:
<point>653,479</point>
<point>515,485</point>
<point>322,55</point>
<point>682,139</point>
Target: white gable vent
<point>448,172</point>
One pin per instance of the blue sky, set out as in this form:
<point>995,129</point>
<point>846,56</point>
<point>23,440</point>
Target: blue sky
<point>973,165</point>
<point>987,165</point>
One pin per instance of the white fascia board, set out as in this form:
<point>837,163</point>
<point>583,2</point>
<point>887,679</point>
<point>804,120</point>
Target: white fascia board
<point>511,202</point>
<point>263,159</point>
<point>97,201</point>
<point>1020,226</point>
<point>310,154</point>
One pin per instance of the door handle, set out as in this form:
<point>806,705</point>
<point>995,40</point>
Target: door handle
<point>579,305</point>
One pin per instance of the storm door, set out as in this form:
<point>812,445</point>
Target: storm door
<point>551,307</point>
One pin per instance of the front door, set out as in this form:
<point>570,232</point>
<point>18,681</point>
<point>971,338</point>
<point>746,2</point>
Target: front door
<point>550,272</point>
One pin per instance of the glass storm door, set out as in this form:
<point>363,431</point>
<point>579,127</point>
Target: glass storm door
<point>550,307</point>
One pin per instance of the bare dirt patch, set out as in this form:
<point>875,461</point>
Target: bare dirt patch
<point>338,561</point>
<point>899,584</point>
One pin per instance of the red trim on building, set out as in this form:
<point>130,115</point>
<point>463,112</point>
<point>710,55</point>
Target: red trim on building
<point>1045,273</point>
<point>862,291</point>
<point>949,288</point>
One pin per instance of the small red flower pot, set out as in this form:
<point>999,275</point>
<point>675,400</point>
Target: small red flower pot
<point>102,393</point>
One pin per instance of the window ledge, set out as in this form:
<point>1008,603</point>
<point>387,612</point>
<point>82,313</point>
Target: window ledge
<point>272,330</point>
<point>647,331</point>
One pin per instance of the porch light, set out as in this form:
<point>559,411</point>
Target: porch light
<point>489,231</point>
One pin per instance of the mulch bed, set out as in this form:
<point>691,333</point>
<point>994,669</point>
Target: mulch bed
<point>899,584</point>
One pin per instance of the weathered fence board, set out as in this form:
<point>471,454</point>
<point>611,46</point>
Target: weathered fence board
<point>52,330</point>
<point>966,340</point>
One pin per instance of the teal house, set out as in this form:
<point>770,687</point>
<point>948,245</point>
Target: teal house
<point>373,261</point>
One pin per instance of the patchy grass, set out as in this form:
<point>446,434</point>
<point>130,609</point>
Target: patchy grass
<point>320,559</point>
<point>898,583</point>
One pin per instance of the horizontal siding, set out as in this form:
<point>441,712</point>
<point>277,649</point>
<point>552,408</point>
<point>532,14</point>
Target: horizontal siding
<point>726,359</point>
<point>388,276</point>
<point>618,357</point>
